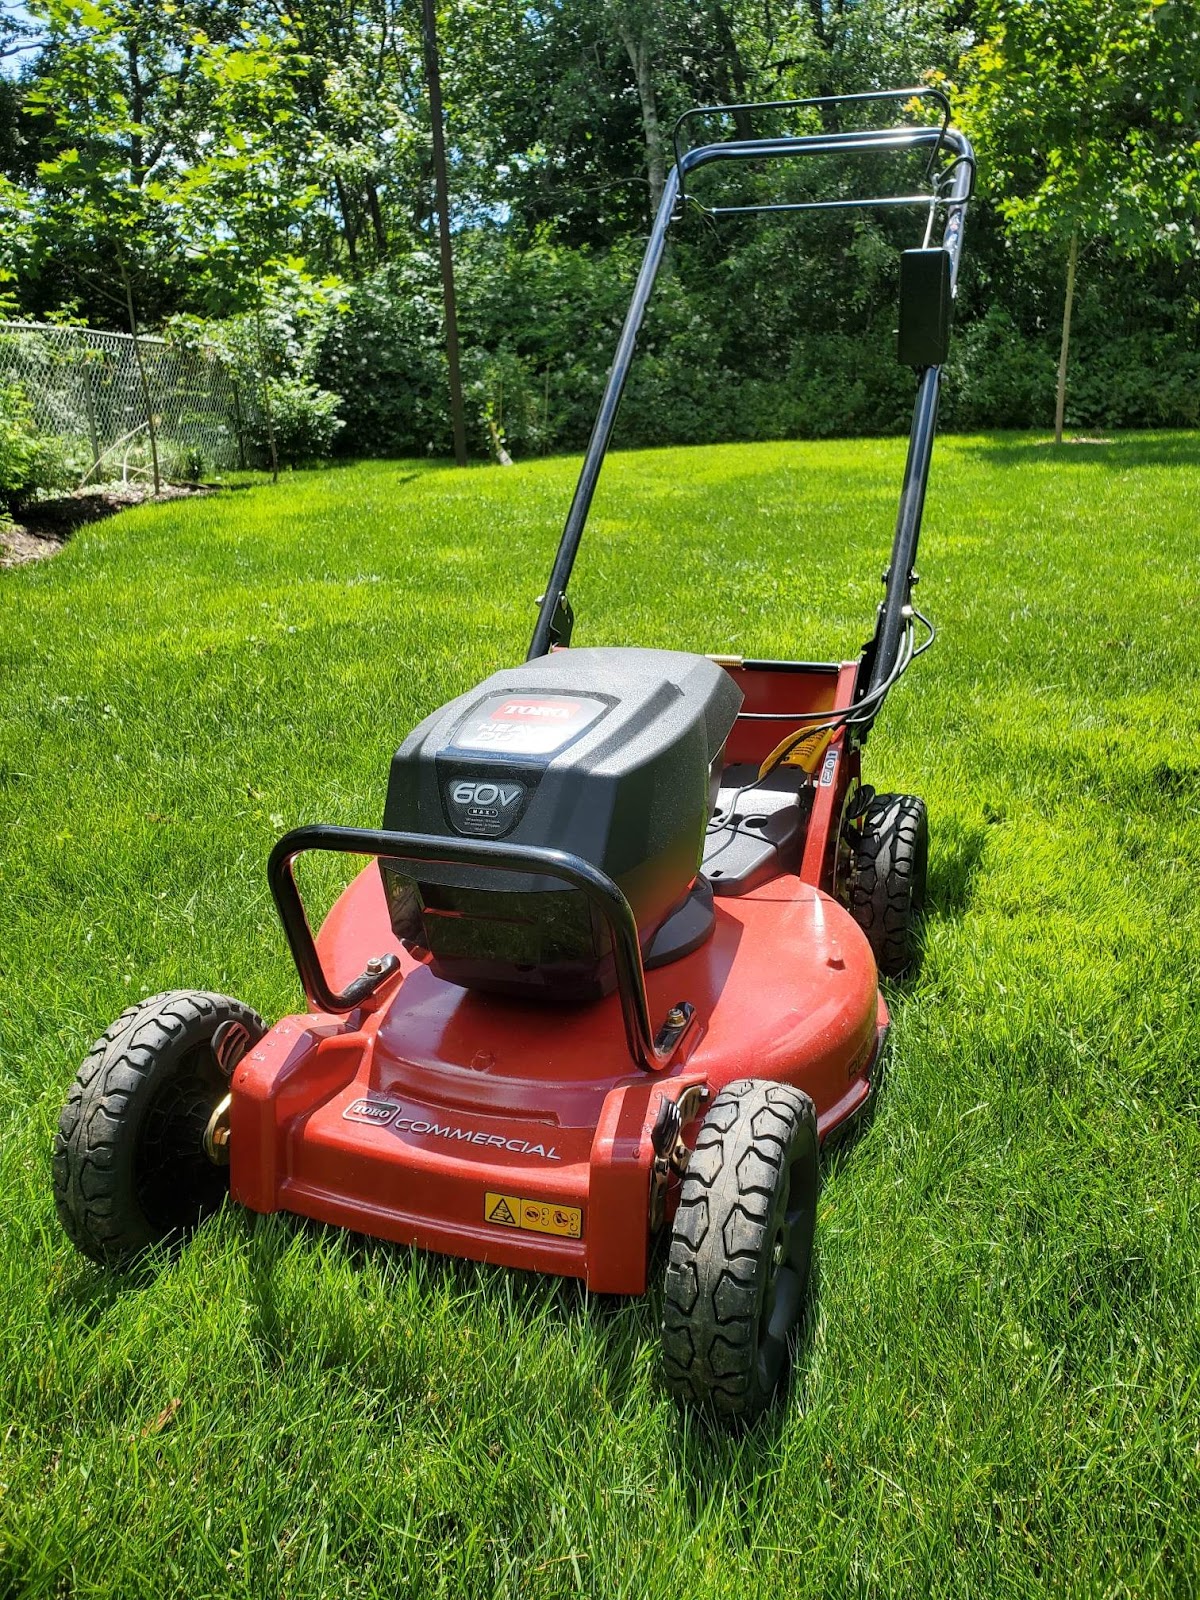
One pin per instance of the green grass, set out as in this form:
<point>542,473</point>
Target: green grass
<point>998,1389</point>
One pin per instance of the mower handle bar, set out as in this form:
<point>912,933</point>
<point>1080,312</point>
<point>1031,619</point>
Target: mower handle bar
<point>950,193</point>
<point>649,1050</point>
<point>926,91</point>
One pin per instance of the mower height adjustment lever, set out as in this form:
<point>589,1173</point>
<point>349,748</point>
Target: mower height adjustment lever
<point>671,1154</point>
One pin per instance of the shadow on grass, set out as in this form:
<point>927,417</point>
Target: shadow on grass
<point>948,896</point>
<point>952,869</point>
<point>1118,453</point>
<point>620,1328</point>
<point>241,479</point>
<point>94,1290</point>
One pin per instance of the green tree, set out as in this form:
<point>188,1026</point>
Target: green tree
<point>243,202</point>
<point>1086,117</point>
<point>359,88</point>
<point>107,121</point>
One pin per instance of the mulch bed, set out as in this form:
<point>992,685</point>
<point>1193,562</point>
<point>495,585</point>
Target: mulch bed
<point>48,524</point>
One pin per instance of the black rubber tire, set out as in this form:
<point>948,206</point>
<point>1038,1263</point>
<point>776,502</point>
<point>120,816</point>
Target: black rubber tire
<point>887,879</point>
<point>741,1249</point>
<point>129,1163</point>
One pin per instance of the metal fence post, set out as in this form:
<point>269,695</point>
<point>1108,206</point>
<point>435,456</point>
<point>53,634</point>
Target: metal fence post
<point>89,401</point>
<point>239,426</point>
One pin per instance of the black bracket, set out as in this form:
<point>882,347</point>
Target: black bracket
<point>562,624</point>
<point>671,1154</point>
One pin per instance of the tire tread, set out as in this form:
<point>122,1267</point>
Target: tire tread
<point>887,880</point>
<point>711,1298</point>
<point>87,1166</point>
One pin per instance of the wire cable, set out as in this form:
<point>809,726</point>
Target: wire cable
<point>866,708</point>
<point>861,711</point>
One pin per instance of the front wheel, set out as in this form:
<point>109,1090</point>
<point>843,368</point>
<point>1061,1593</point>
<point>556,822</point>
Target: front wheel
<point>130,1166</point>
<point>741,1249</point>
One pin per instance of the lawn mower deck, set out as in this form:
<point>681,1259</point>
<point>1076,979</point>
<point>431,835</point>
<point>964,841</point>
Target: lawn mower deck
<point>611,973</point>
<point>485,1127</point>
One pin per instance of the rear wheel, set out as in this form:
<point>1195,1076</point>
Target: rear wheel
<point>130,1166</point>
<point>741,1249</point>
<point>887,878</point>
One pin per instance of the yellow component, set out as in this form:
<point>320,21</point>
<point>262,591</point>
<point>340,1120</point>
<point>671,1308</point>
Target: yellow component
<point>534,1216</point>
<point>502,1209</point>
<point>804,748</point>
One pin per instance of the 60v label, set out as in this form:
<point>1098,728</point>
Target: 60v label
<point>484,806</point>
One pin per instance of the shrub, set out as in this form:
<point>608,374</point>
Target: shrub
<point>1000,378</point>
<point>304,418</point>
<point>504,403</point>
<point>757,333</point>
<point>382,350</point>
<point>191,463</point>
<point>29,461</point>
<point>1146,379</point>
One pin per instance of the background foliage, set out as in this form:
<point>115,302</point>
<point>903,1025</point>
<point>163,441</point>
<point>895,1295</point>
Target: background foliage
<point>242,159</point>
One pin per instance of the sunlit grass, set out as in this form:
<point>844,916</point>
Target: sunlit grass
<point>999,1382</point>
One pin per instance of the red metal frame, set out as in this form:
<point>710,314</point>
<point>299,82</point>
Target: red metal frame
<point>402,1117</point>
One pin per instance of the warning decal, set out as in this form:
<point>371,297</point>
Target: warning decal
<point>497,1209</point>
<point>534,1216</point>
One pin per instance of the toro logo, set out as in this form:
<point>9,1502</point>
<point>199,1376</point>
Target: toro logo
<point>484,806</point>
<point>536,710</point>
<point>366,1110</point>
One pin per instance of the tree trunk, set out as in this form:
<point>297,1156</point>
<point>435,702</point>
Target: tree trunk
<point>349,232</point>
<point>1060,403</point>
<point>638,51</point>
<point>376,213</point>
<point>141,368</point>
<point>501,454</point>
<point>733,68</point>
<point>446,253</point>
<point>137,149</point>
<point>268,412</point>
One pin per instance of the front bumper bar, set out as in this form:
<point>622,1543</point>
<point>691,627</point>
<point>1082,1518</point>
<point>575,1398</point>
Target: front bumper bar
<point>650,1049</point>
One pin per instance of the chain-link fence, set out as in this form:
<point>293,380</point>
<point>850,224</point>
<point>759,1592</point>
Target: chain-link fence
<point>86,390</point>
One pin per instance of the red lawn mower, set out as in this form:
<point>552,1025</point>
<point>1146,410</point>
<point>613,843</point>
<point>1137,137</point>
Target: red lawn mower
<point>612,970</point>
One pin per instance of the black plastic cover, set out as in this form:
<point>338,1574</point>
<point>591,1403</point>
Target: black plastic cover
<point>612,754</point>
<point>755,833</point>
<point>926,303</point>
